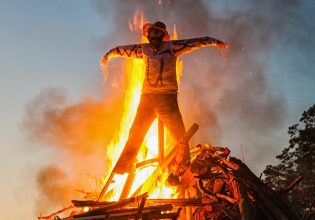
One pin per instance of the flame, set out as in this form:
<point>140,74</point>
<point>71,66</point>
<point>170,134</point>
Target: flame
<point>163,191</point>
<point>137,22</point>
<point>160,3</point>
<point>179,63</point>
<point>135,72</point>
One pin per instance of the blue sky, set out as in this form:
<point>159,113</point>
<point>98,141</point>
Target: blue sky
<point>58,44</point>
<point>42,44</point>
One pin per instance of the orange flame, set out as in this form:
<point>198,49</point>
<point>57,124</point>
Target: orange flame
<point>135,72</point>
<point>136,24</point>
<point>179,63</point>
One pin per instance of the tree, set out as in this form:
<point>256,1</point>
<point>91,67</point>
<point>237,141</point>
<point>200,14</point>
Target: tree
<point>297,159</point>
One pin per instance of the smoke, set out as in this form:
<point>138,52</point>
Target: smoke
<point>78,128</point>
<point>54,189</point>
<point>76,134</point>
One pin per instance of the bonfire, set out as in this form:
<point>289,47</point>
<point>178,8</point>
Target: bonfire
<point>214,187</point>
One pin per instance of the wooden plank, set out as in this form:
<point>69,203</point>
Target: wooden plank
<point>130,215</point>
<point>56,213</point>
<point>114,205</point>
<point>161,140</point>
<point>128,184</point>
<point>171,215</point>
<point>124,213</point>
<point>140,209</point>
<point>110,179</point>
<point>147,162</point>
<point>88,203</point>
<point>176,202</point>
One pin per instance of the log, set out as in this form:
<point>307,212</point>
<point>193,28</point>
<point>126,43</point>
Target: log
<point>89,203</point>
<point>141,206</point>
<point>177,202</point>
<point>115,205</point>
<point>147,162</point>
<point>56,213</point>
<point>161,140</point>
<point>109,180</point>
<point>128,184</point>
<point>229,164</point>
<point>124,212</point>
<point>227,198</point>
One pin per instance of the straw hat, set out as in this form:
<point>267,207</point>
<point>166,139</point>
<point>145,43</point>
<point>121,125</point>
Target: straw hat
<point>157,25</point>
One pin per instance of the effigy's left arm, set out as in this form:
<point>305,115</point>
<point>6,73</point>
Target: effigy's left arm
<point>180,47</point>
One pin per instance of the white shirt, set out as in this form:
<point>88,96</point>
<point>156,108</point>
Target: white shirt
<point>160,71</point>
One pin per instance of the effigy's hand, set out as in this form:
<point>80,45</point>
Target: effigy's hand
<point>222,47</point>
<point>104,66</point>
<point>221,44</point>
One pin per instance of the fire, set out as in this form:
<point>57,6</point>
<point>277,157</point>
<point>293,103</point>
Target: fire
<point>86,209</point>
<point>135,72</point>
<point>137,22</point>
<point>179,63</point>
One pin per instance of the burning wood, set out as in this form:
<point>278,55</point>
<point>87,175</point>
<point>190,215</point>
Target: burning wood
<point>135,210</point>
<point>230,182</point>
<point>225,188</point>
<point>52,215</point>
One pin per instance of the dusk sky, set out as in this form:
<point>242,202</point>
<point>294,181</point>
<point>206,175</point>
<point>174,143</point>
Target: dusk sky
<point>58,44</point>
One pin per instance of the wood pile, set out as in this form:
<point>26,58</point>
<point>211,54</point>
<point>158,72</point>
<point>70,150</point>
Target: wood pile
<point>215,187</point>
<point>235,190</point>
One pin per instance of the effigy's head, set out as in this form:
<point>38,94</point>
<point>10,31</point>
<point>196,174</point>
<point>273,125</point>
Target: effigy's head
<point>156,32</point>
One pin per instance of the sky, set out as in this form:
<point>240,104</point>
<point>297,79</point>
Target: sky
<point>58,44</point>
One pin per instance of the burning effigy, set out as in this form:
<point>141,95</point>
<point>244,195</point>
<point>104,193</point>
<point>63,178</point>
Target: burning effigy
<point>152,178</point>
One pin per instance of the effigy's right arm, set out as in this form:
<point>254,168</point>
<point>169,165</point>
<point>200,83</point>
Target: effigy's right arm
<point>128,51</point>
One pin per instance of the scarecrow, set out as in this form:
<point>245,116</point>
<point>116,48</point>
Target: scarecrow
<point>159,91</point>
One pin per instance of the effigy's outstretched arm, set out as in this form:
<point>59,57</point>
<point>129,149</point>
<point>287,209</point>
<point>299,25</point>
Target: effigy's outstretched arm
<point>128,51</point>
<point>180,47</point>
